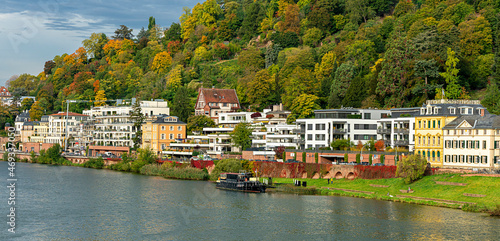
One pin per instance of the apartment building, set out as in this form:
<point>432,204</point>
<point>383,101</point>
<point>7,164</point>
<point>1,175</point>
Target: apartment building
<point>472,142</point>
<point>158,133</point>
<point>212,102</point>
<point>398,128</point>
<point>275,135</point>
<point>79,129</point>
<point>40,130</point>
<point>358,125</point>
<point>433,116</point>
<point>4,94</point>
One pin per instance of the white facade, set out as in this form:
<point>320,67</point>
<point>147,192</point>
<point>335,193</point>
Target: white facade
<point>468,146</point>
<point>328,125</point>
<point>113,126</point>
<point>272,136</point>
<point>397,132</point>
<point>78,129</point>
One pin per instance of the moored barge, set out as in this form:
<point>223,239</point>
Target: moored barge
<point>242,182</point>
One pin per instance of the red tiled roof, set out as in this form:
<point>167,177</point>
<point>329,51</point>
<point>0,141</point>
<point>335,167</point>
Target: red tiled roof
<point>70,114</point>
<point>220,96</point>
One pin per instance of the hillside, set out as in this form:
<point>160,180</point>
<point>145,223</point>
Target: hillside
<point>307,54</point>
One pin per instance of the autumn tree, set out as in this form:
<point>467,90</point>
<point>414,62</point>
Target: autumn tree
<point>100,98</point>
<point>94,45</point>
<point>411,168</point>
<point>36,111</point>
<point>260,88</point>
<point>453,89</point>
<point>161,62</point>
<point>303,107</point>
<point>26,104</point>
<point>291,22</point>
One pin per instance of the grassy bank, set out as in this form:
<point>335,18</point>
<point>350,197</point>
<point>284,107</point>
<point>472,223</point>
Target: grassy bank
<point>426,191</point>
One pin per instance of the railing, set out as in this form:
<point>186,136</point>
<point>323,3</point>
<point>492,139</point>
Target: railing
<point>401,130</point>
<point>299,131</point>
<point>383,131</point>
<point>299,141</point>
<point>402,142</point>
<point>339,131</point>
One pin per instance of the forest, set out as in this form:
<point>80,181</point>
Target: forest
<point>306,54</point>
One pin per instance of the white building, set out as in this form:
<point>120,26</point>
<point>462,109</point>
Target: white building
<point>78,129</point>
<point>328,125</point>
<point>472,142</point>
<point>113,126</point>
<point>272,136</point>
<point>398,128</point>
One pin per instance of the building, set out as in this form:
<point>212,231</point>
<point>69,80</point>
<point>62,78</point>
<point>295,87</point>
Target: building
<point>212,102</point>
<point>433,116</point>
<point>22,118</point>
<point>113,125</point>
<point>275,135</point>
<point>27,131</point>
<point>472,142</point>
<point>4,94</point>
<point>160,132</point>
<point>358,125</point>
<point>40,130</point>
<point>78,128</point>
<point>398,128</point>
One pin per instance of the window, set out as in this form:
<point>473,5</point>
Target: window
<point>171,128</point>
<point>224,105</point>
<point>496,145</point>
<point>367,116</point>
<point>309,137</point>
<point>162,128</point>
<point>439,125</point>
<point>428,124</point>
<point>320,137</point>
<point>439,140</point>
<point>419,124</point>
<point>171,136</point>
<point>452,111</point>
<point>495,159</point>
<point>309,126</point>
<point>462,144</point>
<point>422,111</point>
<point>436,111</point>
<point>320,127</point>
<point>484,144</point>
<point>179,136</point>
<point>163,136</point>
<point>179,128</point>
<point>419,140</point>
<point>433,140</point>
<point>163,146</point>
<point>434,124</point>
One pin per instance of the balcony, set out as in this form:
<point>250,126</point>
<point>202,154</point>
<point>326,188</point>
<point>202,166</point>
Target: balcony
<point>339,131</point>
<point>383,131</point>
<point>299,131</point>
<point>299,141</point>
<point>401,130</point>
<point>402,142</point>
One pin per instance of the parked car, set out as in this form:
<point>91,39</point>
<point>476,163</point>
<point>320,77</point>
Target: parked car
<point>379,164</point>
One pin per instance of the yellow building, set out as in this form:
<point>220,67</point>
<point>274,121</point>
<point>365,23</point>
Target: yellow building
<point>158,133</point>
<point>429,123</point>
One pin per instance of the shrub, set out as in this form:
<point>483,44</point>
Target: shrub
<point>382,158</point>
<point>226,165</point>
<point>97,163</point>
<point>346,157</point>
<point>279,152</point>
<point>370,159</point>
<point>411,168</point>
<point>304,157</point>
<point>316,157</point>
<point>358,158</point>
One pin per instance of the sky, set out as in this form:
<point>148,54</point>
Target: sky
<point>35,31</point>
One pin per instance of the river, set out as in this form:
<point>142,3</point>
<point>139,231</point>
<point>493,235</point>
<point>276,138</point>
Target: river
<point>73,203</point>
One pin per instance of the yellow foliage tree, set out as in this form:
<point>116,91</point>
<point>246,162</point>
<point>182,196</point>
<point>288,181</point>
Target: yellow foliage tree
<point>174,78</point>
<point>260,87</point>
<point>161,62</point>
<point>100,98</point>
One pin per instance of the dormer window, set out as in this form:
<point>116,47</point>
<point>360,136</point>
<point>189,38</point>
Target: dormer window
<point>436,111</point>
<point>452,111</point>
<point>429,110</point>
<point>422,111</point>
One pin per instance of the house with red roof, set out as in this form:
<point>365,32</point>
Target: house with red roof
<point>212,102</point>
<point>4,94</point>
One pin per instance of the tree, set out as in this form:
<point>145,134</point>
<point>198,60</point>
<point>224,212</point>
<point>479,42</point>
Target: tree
<point>260,88</point>
<point>475,37</point>
<point>304,106</point>
<point>280,150</point>
<point>380,145</point>
<point>26,104</point>
<point>174,78</point>
<point>173,33</point>
<point>340,84</point>
<point>359,10</point>
<point>36,111</point>
<point>411,168</point>
<point>100,98</point>
<point>241,136</point>
<point>253,17</point>
<point>198,122</point>
<point>181,106</point>
<point>291,22</point>
<point>453,89</point>
<point>356,93</point>
<point>123,33</point>
<point>137,118</point>
<point>49,65</point>
<point>94,45</point>
<point>312,37</point>
<point>341,144</point>
<point>161,62</point>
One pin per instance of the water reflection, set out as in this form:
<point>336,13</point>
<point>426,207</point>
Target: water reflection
<point>79,203</point>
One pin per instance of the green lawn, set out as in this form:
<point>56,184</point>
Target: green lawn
<point>426,188</point>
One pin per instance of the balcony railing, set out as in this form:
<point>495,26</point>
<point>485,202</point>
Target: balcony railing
<point>299,131</point>
<point>402,142</point>
<point>299,141</point>
<point>383,131</point>
<point>339,131</point>
<point>401,130</point>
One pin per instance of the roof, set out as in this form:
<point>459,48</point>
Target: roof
<point>69,114</point>
<point>220,95</point>
<point>161,120</point>
<point>443,109</point>
<point>475,121</point>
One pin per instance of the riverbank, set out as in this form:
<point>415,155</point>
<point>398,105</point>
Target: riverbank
<point>469,193</point>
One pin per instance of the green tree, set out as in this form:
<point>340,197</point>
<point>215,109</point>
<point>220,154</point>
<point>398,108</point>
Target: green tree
<point>475,37</point>
<point>411,168</point>
<point>359,10</point>
<point>453,89</point>
<point>260,88</point>
<point>356,93</point>
<point>340,84</point>
<point>253,17</point>
<point>312,37</point>
<point>181,106</point>
<point>137,118</point>
<point>303,107</point>
<point>198,122</point>
<point>173,33</point>
<point>241,136</point>
<point>26,104</point>
<point>123,33</point>
<point>94,45</point>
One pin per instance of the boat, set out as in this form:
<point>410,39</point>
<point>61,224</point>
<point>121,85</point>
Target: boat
<point>242,182</point>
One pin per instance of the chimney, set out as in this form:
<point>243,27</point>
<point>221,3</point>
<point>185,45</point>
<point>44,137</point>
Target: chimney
<point>482,112</point>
